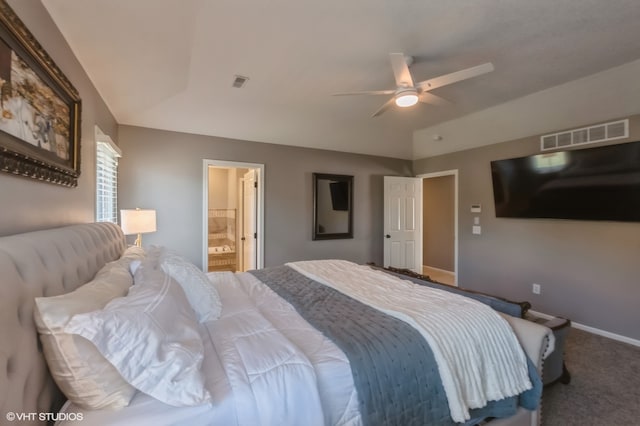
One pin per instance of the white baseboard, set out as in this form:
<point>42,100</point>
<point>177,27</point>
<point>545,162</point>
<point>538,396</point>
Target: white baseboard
<point>593,330</point>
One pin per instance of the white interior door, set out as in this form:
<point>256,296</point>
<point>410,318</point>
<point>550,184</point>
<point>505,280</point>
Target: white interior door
<point>403,223</point>
<point>248,238</point>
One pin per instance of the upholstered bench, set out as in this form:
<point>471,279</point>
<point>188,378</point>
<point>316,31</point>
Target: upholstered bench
<point>555,369</point>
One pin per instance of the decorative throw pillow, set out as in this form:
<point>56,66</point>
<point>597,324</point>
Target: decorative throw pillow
<point>201,293</point>
<point>81,372</point>
<point>151,337</point>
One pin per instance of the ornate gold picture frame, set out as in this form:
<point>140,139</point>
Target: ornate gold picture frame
<point>39,109</point>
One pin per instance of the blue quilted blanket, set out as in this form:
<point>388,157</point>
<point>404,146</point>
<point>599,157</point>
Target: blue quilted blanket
<point>393,367</point>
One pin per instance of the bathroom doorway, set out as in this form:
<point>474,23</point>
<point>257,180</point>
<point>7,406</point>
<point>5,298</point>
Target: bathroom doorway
<point>233,216</point>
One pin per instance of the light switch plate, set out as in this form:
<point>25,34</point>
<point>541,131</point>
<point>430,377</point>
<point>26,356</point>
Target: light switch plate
<point>476,220</point>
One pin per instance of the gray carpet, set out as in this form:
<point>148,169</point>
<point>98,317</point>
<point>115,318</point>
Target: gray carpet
<point>604,388</point>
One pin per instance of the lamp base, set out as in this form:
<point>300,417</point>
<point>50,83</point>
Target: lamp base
<point>138,241</point>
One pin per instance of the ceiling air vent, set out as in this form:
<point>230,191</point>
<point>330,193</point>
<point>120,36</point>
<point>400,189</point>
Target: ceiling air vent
<point>599,133</point>
<point>239,81</point>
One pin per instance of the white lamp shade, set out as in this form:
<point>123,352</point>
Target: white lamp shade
<point>137,221</point>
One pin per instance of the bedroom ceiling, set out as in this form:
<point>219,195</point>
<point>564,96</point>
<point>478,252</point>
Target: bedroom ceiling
<point>171,64</point>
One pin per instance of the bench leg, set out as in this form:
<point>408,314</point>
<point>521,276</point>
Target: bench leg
<point>565,379</point>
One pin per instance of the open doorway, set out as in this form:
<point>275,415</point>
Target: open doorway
<point>233,216</point>
<point>440,226</point>
<point>411,228</point>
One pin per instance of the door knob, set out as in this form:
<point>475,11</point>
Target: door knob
<point>387,236</point>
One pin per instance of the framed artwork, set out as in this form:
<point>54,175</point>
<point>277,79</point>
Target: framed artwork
<point>39,109</point>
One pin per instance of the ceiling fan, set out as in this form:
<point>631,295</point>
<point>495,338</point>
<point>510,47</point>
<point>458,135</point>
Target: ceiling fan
<point>408,93</point>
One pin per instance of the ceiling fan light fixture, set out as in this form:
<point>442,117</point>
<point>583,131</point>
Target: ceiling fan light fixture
<point>406,99</point>
<point>408,93</point>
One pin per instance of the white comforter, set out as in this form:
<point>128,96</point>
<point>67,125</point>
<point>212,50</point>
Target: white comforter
<point>478,355</point>
<point>291,372</point>
<point>264,365</point>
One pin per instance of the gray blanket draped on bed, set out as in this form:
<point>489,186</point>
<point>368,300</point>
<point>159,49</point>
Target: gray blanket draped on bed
<point>393,367</point>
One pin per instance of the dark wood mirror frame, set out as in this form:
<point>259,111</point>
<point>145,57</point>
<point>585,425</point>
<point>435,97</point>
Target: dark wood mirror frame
<point>332,206</point>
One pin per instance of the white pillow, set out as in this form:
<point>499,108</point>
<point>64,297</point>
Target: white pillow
<point>81,372</point>
<point>201,293</point>
<point>151,337</point>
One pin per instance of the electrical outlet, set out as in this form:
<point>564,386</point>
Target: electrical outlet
<point>536,288</point>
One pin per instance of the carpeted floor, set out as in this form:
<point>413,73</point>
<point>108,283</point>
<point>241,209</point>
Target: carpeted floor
<point>604,388</point>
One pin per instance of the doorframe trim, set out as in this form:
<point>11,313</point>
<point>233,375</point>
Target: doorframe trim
<point>454,173</point>
<point>260,178</point>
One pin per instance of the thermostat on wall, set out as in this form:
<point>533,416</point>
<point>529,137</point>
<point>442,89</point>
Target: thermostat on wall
<point>476,208</point>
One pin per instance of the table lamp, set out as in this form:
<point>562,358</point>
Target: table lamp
<point>137,221</point>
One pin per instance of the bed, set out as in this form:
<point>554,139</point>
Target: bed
<point>259,332</point>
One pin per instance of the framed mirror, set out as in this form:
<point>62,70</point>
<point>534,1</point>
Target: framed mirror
<point>332,206</point>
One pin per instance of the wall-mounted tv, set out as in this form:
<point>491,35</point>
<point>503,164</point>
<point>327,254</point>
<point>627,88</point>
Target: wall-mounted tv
<point>586,184</point>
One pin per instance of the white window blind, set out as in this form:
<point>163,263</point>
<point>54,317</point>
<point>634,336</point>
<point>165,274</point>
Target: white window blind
<point>107,155</point>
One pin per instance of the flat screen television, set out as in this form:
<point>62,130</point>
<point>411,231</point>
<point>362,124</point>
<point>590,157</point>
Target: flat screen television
<point>585,184</point>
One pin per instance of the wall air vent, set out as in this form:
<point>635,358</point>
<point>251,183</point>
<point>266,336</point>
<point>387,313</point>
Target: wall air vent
<point>599,133</point>
<point>239,81</point>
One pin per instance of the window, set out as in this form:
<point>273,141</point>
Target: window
<point>107,154</point>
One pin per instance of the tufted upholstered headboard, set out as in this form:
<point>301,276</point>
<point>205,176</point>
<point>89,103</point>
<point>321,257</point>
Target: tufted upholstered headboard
<point>34,264</point>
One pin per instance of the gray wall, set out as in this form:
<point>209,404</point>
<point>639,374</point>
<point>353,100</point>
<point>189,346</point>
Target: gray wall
<point>589,271</point>
<point>28,204</point>
<point>438,231</point>
<point>164,171</point>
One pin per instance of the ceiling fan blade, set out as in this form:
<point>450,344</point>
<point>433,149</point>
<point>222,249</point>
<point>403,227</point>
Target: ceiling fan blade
<point>401,70</point>
<point>384,107</point>
<point>366,92</point>
<point>430,98</point>
<point>454,77</point>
